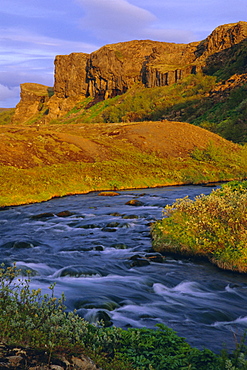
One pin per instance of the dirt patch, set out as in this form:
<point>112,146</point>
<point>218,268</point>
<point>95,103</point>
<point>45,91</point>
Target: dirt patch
<point>27,147</point>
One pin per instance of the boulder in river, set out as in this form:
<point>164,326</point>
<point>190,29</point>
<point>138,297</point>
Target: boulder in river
<point>22,245</point>
<point>139,262</point>
<point>131,217</point>
<point>112,224</point>
<point>135,203</point>
<point>119,246</point>
<point>155,257</point>
<point>108,194</point>
<point>64,214</point>
<point>42,215</point>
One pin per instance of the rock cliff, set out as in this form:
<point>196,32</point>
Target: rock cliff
<point>34,99</point>
<point>114,68</point>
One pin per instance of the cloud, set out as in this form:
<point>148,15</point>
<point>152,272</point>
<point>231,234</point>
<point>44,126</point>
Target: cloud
<point>115,20</point>
<point>29,57</point>
<point>9,97</point>
<point>122,20</point>
<point>31,43</point>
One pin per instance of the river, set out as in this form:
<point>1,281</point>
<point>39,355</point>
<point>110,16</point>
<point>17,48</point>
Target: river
<point>88,252</point>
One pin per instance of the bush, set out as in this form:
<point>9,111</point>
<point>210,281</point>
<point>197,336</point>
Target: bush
<point>28,318</point>
<point>212,226</point>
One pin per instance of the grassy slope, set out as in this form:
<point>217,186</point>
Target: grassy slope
<point>212,100</point>
<point>67,159</point>
<point>6,115</point>
<point>212,226</point>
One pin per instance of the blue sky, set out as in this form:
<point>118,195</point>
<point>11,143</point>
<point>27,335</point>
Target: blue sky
<point>33,32</point>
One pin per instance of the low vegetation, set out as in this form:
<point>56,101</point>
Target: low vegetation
<point>140,103</point>
<point>196,99</point>
<point>41,165</point>
<point>6,115</point>
<point>28,318</point>
<point>212,226</point>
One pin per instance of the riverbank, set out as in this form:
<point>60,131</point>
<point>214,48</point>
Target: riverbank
<point>39,163</point>
<point>90,252</point>
<point>212,226</point>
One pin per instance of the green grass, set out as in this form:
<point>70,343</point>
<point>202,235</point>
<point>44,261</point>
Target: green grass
<point>30,319</point>
<point>6,116</point>
<point>212,226</point>
<point>128,168</point>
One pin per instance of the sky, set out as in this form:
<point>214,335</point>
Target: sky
<point>33,32</point>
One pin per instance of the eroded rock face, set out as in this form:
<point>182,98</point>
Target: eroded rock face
<point>114,68</point>
<point>34,98</point>
<point>223,37</point>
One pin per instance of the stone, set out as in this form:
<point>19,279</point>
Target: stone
<point>135,257</point>
<point>15,360</point>
<point>42,215</point>
<point>104,317</point>
<point>155,257</point>
<point>64,214</point>
<point>119,246</point>
<point>108,229</point>
<point>83,363</point>
<point>22,245</point>
<point>129,217</point>
<point>115,214</point>
<point>108,194</point>
<point>112,224</point>
<point>135,203</point>
<point>139,262</point>
<point>98,248</point>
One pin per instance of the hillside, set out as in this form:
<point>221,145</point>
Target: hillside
<point>115,119</point>
<point>203,83</point>
<point>38,163</point>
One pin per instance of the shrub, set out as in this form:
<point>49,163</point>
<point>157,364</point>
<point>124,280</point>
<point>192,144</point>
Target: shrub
<point>212,226</point>
<point>29,318</point>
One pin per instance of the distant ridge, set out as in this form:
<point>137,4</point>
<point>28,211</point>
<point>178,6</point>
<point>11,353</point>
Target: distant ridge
<point>114,69</point>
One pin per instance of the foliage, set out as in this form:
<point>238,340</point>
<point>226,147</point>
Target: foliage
<point>126,167</point>
<point>140,103</point>
<point>226,117</point>
<point>6,116</point>
<point>235,61</point>
<point>189,100</point>
<point>212,226</point>
<point>28,318</point>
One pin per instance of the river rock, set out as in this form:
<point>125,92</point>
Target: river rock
<point>42,215</point>
<point>135,203</point>
<point>113,224</point>
<point>64,214</point>
<point>89,226</point>
<point>135,257</point>
<point>155,257</point>
<point>98,248</point>
<point>119,246</point>
<point>22,245</point>
<point>115,214</point>
<point>126,225</point>
<point>108,194</point>
<point>108,229</point>
<point>17,358</point>
<point>131,217</point>
<point>139,262</point>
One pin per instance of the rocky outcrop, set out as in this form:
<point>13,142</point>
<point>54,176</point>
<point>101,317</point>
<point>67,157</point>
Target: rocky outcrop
<point>223,37</point>
<point>20,358</point>
<point>114,68</point>
<point>34,99</point>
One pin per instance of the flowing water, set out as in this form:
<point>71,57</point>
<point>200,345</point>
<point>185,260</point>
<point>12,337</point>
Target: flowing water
<point>88,255</point>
